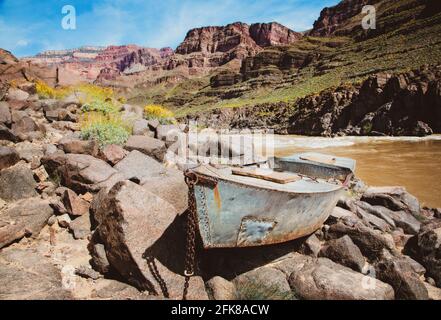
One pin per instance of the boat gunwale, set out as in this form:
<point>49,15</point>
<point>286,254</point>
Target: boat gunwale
<point>338,187</point>
<point>310,162</point>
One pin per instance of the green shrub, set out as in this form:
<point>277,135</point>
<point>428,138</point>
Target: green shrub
<point>105,133</point>
<point>105,107</point>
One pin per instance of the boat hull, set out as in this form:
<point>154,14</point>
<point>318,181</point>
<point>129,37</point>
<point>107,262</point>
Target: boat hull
<point>231,214</point>
<point>341,170</point>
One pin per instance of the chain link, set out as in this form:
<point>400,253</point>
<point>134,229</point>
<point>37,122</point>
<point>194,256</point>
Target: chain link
<point>191,180</point>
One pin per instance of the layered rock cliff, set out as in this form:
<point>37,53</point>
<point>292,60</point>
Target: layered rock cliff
<point>237,35</point>
<point>202,50</point>
<point>384,104</point>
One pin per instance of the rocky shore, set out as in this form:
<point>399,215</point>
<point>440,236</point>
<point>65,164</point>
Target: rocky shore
<point>84,221</point>
<point>405,104</point>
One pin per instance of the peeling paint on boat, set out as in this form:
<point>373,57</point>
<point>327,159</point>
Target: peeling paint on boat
<point>243,211</point>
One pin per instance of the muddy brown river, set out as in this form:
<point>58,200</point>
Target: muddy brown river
<point>390,161</point>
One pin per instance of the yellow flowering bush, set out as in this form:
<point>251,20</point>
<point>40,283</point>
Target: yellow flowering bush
<point>47,92</point>
<point>158,112</point>
<point>87,92</point>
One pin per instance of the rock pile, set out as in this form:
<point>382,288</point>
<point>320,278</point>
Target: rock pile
<point>77,219</point>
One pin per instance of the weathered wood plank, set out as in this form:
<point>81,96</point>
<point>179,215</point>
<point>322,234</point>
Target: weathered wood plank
<point>267,174</point>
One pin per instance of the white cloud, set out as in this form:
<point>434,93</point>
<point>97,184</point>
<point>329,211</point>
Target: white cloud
<point>22,43</point>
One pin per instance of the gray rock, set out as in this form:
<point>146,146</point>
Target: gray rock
<point>137,230</point>
<point>8,157</point>
<point>139,167</point>
<point>141,127</point>
<point>24,218</point>
<point>87,272</point>
<point>219,288</point>
<point>376,211</point>
<point>78,146</point>
<point>64,220</point>
<point>165,132</point>
<point>5,113</point>
<point>17,94</point>
<point>153,124</point>
<point>371,242</point>
<point>401,219</point>
<point>27,275</point>
<point>426,249</point>
<point>80,227</point>
<point>17,183</point>
<point>50,149</point>
<point>24,127</point>
<point>80,172</point>
<point>8,134</point>
<point>99,258</point>
<point>170,186</point>
<point>107,289</point>
<point>147,145</point>
<point>339,213</point>
<point>393,198</point>
<point>264,283</point>
<point>344,252</point>
<point>322,279</point>
<point>400,274</point>
<point>373,220</point>
<point>312,246</point>
<point>29,151</point>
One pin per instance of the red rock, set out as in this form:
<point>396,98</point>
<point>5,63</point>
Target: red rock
<point>112,153</point>
<point>75,205</point>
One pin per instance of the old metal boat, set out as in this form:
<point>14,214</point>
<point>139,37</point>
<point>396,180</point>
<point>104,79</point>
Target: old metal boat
<point>242,207</point>
<point>317,165</point>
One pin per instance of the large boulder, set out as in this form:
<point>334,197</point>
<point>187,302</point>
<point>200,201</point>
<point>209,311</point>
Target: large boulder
<point>426,249</point>
<point>17,94</point>
<point>144,241</point>
<point>26,128</point>
<point>17,183</point>
<point>80,227</point>
<point>80,172</point>
<point>112,153</point>
<point>8,157</point>
<point>393,198</point>
<point>322,279</point>
<point>400,274</point>
<point>78,146</point>
<point>30,152</point>
<point>8,134</point>
<point>345,252</point>
<point>147,145</point>
<point>401,219</point>
<point>28,275</point>
<point>219,288</point>
<point>5,113</point>
<point>167,183</point>
<point>171,187</point>
<point>141,128</point>
<point>139,167</point>
<point>371,242</point>
<point>23,218</point>
<point>264,283</point>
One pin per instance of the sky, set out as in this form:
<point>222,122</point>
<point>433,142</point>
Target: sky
<point>29,27</point>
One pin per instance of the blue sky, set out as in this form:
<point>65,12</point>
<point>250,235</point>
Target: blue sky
<point>28,27</point>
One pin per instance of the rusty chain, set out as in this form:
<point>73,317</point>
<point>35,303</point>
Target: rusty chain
<point>190,179</point>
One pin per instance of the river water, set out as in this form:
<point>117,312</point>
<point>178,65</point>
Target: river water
<point>412,162</point>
